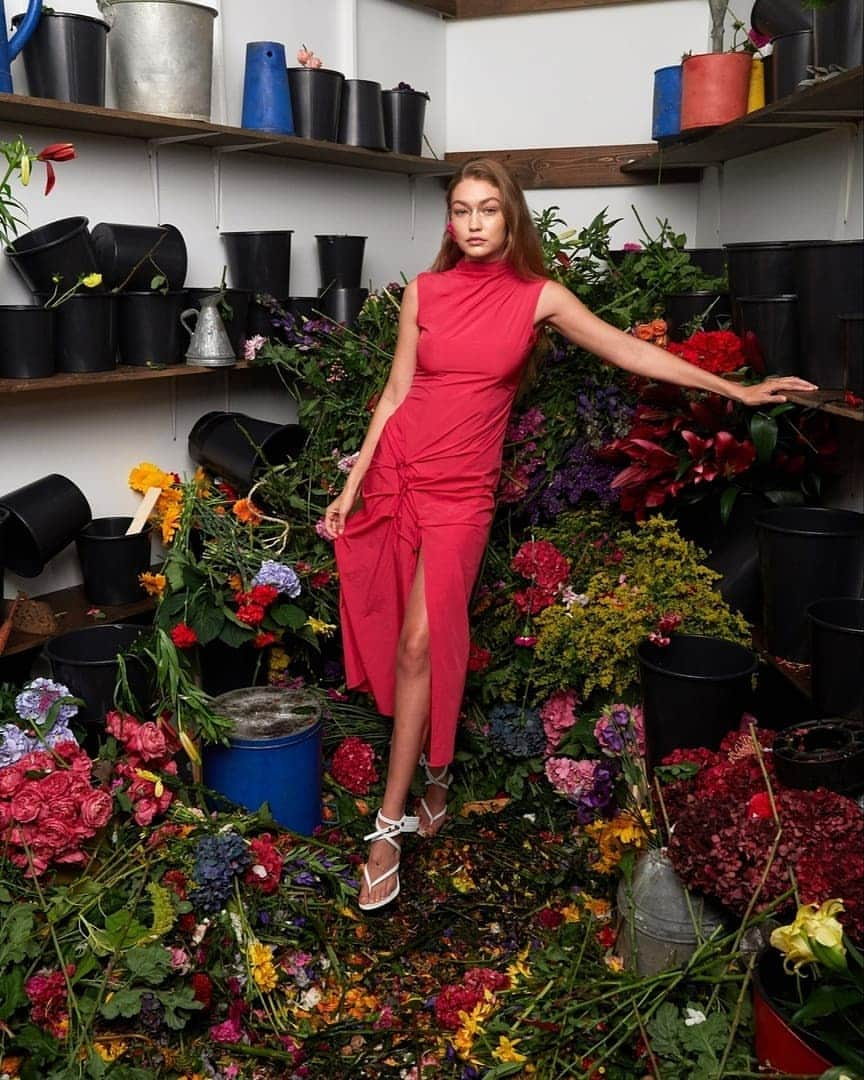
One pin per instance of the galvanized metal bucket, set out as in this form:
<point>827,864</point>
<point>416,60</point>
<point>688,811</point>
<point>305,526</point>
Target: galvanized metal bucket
<point>162,57</point>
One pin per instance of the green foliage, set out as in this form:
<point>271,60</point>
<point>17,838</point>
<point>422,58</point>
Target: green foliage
<point>691,1045</point>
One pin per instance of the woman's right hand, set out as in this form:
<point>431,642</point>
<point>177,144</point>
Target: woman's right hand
<point>337,513</point>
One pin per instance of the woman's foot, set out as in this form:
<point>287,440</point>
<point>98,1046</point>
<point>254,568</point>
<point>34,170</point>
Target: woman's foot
<point>379,884</point>
<point>432,810</point>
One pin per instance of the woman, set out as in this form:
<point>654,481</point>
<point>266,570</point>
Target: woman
<point>408,552</point>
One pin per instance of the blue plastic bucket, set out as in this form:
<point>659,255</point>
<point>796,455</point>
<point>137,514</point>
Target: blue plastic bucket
<point>266,99</point>
<point>666,117</point>
<point>274,755</point>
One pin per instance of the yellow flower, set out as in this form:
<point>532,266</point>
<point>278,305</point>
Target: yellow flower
<point>600,909</point>
<point>158,786</point>
<point>260,959</point>
<point>813,923</point>
<point>25,170</point>
<point>145,476</point>
<point>519,967</point>
<point>319,627</point>
<point>462,882</point>
<point>247,512</point>
<point>91,281</point>
<point>202,481</point>
<point>171,521</point>
<point>614,963</point>
<point>571,913</point>
<point>506,1050</point>
<point>190,748</point>
<point>110,1050</point>
<point>153,584</point>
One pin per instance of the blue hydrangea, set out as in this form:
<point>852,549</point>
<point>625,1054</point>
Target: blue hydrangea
<point>278,575</point>
<point>516,731</point>
<point>217,860</point>
<point>37,698</point>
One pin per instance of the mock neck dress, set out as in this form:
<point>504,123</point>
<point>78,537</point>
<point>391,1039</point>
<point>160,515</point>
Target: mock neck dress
<point>431,486</point>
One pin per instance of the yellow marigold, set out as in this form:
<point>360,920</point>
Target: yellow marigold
<point>247,512</point>
<point>506,1050</point>
<point>261,962</point>
<point>170,523</point>
<point>600,909</point>
<point>202,481</point>
<point>571,913</point>
<point>110,1050</point>
<point>153,584</point>
<point>145,476</point>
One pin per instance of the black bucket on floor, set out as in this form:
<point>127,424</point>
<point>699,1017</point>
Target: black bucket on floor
<point>694,691</point>
<point>149,331</point>
<point>829,282</point>
<point>237,447</point>
<point>111,561</point>
<point>761,269</point>
<point>61,248</point>
<point>805,553</point>
<point>65,57</point>
<point>837,655</point>
<point>26,342</point>
<point>772,323</point>
<point>44,516</point>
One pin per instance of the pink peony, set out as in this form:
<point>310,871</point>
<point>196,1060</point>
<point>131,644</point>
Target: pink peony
<point>558,715</point>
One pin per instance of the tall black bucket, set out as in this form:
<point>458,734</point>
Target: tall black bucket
<point>149,331</point>
<point>773,323</point>
<point>694,691</point>
<point>340,261</point>
<point>761,269</point>
<point>792,55</point>
<point>316,98</point>
<point>61,248</point>
<point>44,516</point>
<point>361,118</point>
<point>130,256</point>
<point>830,282</point>
<point>837,655</point>
<point>111,561</point>
<point>260,261</point>
<point>404,119</point>
<point>805,554</point>
<point>238,447</point>
<point>65,57</point>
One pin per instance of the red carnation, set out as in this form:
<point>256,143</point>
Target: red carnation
<point>353,765</point>
<point>265,872</point>
<point>183,636</point>
<point>263,639</point>
<point>251,614</point>
<point>478,659</point>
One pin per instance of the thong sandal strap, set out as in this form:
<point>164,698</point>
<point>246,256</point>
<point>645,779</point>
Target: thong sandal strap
<point>443,781</point>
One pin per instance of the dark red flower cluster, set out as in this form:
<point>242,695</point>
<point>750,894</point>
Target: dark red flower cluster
<point>353,765</point>
<point>47,993</point>
<point>717,351</point>
<point>463,996</point>
<point>546,567</point>
<point>150,748</point>
<point>478,659</point>
<point>252,605</point>
<point>265,871</point>
<point>724,829</point>
<point>202,988</point>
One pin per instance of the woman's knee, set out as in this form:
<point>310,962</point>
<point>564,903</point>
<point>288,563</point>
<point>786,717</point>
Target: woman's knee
<point>413,654</point>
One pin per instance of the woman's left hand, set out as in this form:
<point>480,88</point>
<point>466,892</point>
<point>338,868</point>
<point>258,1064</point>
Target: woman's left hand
<point>770,392</point>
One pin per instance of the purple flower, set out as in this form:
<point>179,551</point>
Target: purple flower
<point>39,696</point>
<point>278,575</point>
<point>14,744</point>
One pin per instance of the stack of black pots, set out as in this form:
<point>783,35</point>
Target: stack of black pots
<point>340,261</point>
<point>259,267</point>
<point>765,304</point>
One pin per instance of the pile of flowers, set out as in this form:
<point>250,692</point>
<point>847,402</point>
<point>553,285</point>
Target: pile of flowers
<point>148,766</point>
<point>37,718</point>
<point>166,513</point>
<point>717,351</point>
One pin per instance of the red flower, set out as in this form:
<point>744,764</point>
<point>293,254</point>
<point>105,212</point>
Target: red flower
<point>606,937</point>
<point>183,636</point>
<point>759,805</point>
<point>263,595</point>
<point>265,872</point>
<point>550,918</point>
<point>251,614</point>
<point>202,989</point>
<point>63,151</point>
<point>319,580</point>
<point>543,563</point>
<point>353,765</point>
<point>478,659</point>
<point>263,639</point>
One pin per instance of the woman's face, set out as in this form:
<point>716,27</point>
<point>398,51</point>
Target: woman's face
<point>478,222</point>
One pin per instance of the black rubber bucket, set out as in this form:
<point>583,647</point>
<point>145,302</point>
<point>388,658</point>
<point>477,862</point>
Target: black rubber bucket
<point>65,57</point>
<point>86,335</point>
<point>792,55</point>
<point>111,561</point>
<point>805,553</point>
<point>826,753</point>
<point>85,660</point>
<point>26,342</point>
<point>829,282</point>
<point>772,324</point>
<point>343,305</point>
<point>238,447</point>
<point>361,116</point>
<point>404,118</point>
<point>304,307</point>
<point>316,99</point>
<point>776,17</point>
<point>130,256</point>
<point>260,262</point>
<point>761,269</point>
<point>61,248</point>
<point>838,34</point>
<point>694,692</point>
<point>851,353</point>
<point>340,261</point>
<point>837,655</point>
<point>234,309</point>
<point>149,331</point>
<point>681,309</point>
<point>44,516</point>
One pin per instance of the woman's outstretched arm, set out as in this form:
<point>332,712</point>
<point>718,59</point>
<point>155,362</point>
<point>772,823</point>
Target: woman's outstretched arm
<point>560,309</point>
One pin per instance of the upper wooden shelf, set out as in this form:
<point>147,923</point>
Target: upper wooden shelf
<point>831,103</point>
<point>121,375</point>
<point>65,117</point>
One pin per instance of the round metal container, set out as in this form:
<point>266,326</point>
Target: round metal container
<point>162,57</point>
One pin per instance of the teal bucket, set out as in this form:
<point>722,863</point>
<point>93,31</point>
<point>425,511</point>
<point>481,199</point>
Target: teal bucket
<point>274,754</point>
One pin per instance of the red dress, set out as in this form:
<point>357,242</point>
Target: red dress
<point>431,486</point>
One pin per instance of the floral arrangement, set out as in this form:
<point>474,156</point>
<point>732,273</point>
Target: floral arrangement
<point>19,159</point>
<point>717,351</point>
<point>37,718</point>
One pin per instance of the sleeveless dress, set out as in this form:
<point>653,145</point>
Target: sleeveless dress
<point>431,486</point>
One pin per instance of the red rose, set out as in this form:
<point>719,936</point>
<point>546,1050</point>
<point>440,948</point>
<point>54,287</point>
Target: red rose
<point>148,742</point>
<point>145,810</point>
<point>11,778</point>
<point>26,804</point>
<point>95,809</point>
<point>251,614</point>
<point>55,836</point>
<point>550,918</point>
<point>183,636</point>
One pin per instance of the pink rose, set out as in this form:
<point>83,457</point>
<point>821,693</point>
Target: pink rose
<point>145,810</point>
<point>26,804</point>
<point>54,786</point>
<point>11,778</point>
<point>5,816</point>
<point>96,808</point>
<point>55,836</point>
<point>147,741</point>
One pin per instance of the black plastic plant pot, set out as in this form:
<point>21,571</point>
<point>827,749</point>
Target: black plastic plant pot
<point>65,57</point>
<point>340,261</point>
<point>26,342</point>
<point>805,553</point>
<point>262,320</point>
<point>694,691</point>
<point>316,101</point>
<point>343,305</point>
<point>829,282</point>
<point>234,310</point>
<point>304,307</point>
<point>61,248</point>
<point>85,660</point>
<point>149,331</point>
<point>776,17</point>
<point>682,309</point>
<point>111,561</point>
<point>772,321</point>
<point>361,116</point>
<point>238,447</point>
<point>761,269</point>
<point>711,261</point>
<point>791,56</point>
<point>44,516</point>
<point>851,353</point>
<point>838,34</point>
<point>130,256</point>
<point>837,656</point>
<point>86,335</point>
<point>227,667</point>
<point>260,261</point>
<point>822,753</point>
<point>404,119</point>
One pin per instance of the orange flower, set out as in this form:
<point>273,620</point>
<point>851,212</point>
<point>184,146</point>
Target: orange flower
<point>247,512</point>
<point>644,332</point>
<point>170,522</point>
<point>658,327</point>
<point>146,475</point>
<point>153,584</point>
<point>236,582</point>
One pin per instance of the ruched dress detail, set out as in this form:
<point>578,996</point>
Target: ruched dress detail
<point>431,486</point>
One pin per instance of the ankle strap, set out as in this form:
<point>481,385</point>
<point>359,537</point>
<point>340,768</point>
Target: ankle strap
<point>442,781</point>
<point>386,828</point>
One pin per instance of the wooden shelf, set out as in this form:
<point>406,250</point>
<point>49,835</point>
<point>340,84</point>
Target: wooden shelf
<point>796,674</point>
<point>830,401</point>
<point>122,374</point>
<point>18,110</point>
<point>71,607</point>
<point>834,102</point>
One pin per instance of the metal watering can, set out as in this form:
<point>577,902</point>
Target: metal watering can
<point>210,345</point>
<point>9,48</point>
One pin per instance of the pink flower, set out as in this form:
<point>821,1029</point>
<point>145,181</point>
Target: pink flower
<point>252,345</point>
<point>229,1031</point>
<point>558,715</point>
<point>525,642</point>
<point>630,246</point>
<point>568,775</point>
<point>148,741</point>
<point>95,808</point>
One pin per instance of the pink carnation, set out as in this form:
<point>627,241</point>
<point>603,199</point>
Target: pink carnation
<point>570,776</point>
<point>558,716</point>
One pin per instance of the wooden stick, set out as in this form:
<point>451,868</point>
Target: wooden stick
<point>6,628</point>
<point>144,510</point>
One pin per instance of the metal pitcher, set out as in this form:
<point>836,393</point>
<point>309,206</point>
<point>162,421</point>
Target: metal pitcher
<point>9,48</point>
<point>210,345</point>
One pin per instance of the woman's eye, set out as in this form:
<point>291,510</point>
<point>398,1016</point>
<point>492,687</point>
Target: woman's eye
<point>489,211</point>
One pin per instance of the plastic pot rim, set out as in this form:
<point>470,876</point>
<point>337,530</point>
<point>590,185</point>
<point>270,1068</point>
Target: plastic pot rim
<point>80,224</point>
<point>16,19</point>
<point>102,627</point>
<point>85,533</point>
<point>255,232</point>
<point>763,522</point>
<point>318,71</point>
<point>820,620</point>
<point>750,669</point>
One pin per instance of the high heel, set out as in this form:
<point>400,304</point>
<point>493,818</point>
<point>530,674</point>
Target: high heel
<point>443,781</point>
<point>387,829</point>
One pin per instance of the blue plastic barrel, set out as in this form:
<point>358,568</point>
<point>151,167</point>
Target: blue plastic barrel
<point>274,754</point>
<point>266,98</point>
<point>666,118</point>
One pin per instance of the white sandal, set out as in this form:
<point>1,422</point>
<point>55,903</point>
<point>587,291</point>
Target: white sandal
<point>443,781</point>
<point>387,829</point>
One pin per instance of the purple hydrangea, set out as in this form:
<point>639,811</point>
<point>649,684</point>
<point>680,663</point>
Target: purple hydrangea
<point>39,696</point>
<point>278,575</point>
<point>14,744</point>
<point>580,474</point>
